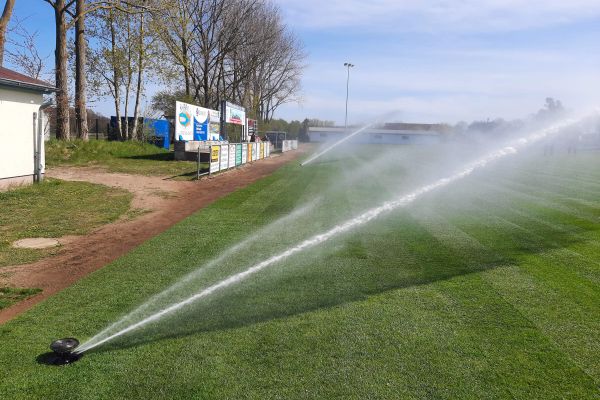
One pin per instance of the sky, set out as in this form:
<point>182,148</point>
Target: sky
<point>429,60</point>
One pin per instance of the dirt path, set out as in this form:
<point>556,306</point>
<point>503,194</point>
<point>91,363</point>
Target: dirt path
<point>166,202</point>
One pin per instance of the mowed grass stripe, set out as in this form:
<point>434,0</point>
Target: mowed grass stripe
<point>571,323</point>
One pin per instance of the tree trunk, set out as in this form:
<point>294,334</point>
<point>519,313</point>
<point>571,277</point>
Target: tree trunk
<point>60,63</point>
<point>128,133</point>
<point>80,77</point>
<point>186,68</point>
<point>4,19</point>
<point>138,92</point>
<point>116,76</point>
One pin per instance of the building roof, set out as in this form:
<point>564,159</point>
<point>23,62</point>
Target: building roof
<point>373,131</point>
<point>14,79</point>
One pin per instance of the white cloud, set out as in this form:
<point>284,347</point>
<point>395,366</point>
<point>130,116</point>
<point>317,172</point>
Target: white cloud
<point>512,89</point>
<point>438,15</point>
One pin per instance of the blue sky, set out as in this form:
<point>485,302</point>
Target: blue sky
<point>430,60</point>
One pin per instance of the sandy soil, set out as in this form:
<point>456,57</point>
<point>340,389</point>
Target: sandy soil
<point>163,202</point>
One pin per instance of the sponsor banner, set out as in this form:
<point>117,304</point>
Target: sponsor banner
<point>268,149</point>
<point>214,126</point>
<point>235,114</point>
<point>288,145</point>
<point>244,153</point>
<point>232,155</point>
<point>215,164</point>
<point>224,157</point>
<point>252,127</point>
<point>254,152</point>
<point>262,150</point>
<point>238,154</point>
<point>195,123</point>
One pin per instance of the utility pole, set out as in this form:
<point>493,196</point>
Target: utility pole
<point>348,66</point>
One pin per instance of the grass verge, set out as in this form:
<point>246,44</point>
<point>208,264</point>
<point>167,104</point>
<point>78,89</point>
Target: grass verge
<point>53,209</point>
<point>127,157</point>
<point>9,296</point>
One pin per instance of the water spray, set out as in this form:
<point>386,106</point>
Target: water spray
<point>367,216</point>
<point>346,138</point>
<point>332,146</point>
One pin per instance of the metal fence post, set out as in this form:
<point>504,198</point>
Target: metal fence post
<point>198,165</point>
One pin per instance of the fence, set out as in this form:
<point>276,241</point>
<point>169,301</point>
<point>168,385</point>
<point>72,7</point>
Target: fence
<point>232,155</point>
<point>287,145</point>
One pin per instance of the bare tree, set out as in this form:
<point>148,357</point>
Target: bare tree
<point>4,20</point>
<point>172,25</point>
<point>120,59</point>
<point>62,9</point>
<point>23,52</point>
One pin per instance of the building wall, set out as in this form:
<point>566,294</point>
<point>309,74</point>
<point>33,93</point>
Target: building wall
<point>17,134</point>
<point>378,137</point>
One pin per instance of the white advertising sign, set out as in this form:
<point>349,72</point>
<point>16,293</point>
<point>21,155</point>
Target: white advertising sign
<point>224,157</point>
<point>231,156</point>
<point>235,114</point>
<point>244,153</point>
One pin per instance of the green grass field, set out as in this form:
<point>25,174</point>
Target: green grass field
<point>128,157</point>
<point>484,289</point>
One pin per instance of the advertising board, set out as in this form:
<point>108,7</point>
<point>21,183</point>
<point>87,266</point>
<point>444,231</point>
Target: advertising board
<point>244,153</point>
<point>235,114</point>
<point>238,154</point>
<point>215,163</point>
<point>232,156</point>
<point>195,123</point>
<point>252,127</point>
<point>224,157</point>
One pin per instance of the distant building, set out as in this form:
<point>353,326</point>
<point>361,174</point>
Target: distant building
<point>391,133</point>
<point>21,120</point>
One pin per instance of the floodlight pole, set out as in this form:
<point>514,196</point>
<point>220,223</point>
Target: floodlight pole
<point>348,66</point>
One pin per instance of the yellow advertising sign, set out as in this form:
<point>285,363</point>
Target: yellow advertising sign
<point>262,150</point>
<point>250,158</point>
<point>214,155</point>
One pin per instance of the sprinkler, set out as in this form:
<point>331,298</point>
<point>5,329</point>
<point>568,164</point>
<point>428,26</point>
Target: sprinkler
<point>63,351</point>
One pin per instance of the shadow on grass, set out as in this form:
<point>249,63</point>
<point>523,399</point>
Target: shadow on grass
<point>154,157</point>
<point>362,266</point>
<point>190,175</point>
<point>51,358</point>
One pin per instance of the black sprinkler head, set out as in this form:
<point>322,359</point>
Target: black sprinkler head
<point>63,351</point>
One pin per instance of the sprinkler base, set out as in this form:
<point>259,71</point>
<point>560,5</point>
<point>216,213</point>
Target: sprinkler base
<point>62,352</point>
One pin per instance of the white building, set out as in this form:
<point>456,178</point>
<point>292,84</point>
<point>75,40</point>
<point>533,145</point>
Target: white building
<point>21,99</point>
<point>393,133</point>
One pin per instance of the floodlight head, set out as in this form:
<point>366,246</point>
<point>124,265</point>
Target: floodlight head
<point>348,65</point>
